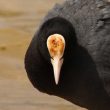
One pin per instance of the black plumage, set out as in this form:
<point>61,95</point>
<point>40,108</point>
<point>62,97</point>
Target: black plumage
<point>85,74</point>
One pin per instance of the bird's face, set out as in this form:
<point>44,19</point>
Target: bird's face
<point>56,47</point>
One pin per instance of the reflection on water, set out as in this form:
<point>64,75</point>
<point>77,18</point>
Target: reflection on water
<point>19,20</point>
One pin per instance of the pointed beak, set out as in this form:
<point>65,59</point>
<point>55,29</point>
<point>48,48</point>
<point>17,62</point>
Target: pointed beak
<point>57,64</point>
<point>56,47</point>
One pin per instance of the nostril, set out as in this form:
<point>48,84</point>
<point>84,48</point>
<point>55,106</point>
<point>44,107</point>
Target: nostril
<point>52,58</point>
<point>61,58</point>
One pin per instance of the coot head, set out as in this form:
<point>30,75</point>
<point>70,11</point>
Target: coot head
<point>56,41</point>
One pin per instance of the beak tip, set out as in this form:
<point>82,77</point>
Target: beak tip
<point>56,68</point>
<point>56,83</point>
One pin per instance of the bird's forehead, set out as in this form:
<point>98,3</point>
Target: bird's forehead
<point>56,44</point>
<point>55,41</point>
<point>57,37</point>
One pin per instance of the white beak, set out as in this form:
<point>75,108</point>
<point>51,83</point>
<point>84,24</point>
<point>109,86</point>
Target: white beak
<point>56,47</point>
<point>57,64</point>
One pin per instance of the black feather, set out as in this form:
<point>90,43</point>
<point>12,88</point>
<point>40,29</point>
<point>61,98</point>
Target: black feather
<point>85,74</point>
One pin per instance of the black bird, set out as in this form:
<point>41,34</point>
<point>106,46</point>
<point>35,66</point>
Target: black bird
<point>69,56</point>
